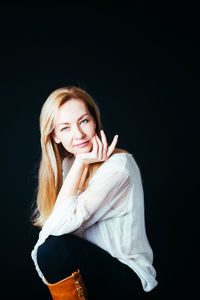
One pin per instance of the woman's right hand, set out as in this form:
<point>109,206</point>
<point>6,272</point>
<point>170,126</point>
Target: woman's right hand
<point>100,151</point>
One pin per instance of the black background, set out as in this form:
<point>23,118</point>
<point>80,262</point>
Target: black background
<point>141,65</point>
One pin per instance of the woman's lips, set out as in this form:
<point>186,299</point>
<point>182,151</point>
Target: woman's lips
<point>82,144</point>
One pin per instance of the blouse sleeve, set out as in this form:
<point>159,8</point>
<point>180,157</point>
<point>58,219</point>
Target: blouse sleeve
<point>104,192</point>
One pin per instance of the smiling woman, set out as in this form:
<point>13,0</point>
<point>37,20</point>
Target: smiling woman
<point>89,206</point>
<point>58,142</point>
<point>77,136</point>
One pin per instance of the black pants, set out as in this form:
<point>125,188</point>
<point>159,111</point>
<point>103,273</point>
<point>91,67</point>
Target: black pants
<point>104,276</point>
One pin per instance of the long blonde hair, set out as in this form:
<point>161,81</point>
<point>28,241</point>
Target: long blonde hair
<point>50,177</point>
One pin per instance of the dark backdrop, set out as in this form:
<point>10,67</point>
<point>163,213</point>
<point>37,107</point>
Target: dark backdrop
<point>141,65</point>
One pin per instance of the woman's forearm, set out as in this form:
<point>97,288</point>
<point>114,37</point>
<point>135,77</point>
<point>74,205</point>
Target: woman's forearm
<point>72,181</point>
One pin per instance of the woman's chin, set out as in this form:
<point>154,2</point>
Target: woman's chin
<point>84,150</point>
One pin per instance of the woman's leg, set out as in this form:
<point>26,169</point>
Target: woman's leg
<point>104,276</point>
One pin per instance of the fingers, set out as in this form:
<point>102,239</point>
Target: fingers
<point>95,145</point>
<point>113,145</point>
<point>100,146</point>
<point>105,145</point>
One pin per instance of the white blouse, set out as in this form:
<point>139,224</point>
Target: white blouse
<point>110,214</point>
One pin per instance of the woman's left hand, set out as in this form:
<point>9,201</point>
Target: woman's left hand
<point>100,151</point>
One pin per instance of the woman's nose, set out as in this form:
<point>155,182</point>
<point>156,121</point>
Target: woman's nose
<point>78,133</point>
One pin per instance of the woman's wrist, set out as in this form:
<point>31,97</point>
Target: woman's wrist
<point>72,180</point>
<point>80,162</point>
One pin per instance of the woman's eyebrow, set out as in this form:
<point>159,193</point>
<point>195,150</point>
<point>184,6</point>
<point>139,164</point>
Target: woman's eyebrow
<point>66,123</point>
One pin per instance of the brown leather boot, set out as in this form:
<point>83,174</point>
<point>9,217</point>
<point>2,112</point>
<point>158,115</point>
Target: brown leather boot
<point>70,288</point>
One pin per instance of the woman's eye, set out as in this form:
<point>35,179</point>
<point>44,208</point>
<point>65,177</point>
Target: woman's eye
<point>84,121</point>
<point>64,128</point>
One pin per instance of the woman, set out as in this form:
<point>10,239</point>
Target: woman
<point>90,207</point>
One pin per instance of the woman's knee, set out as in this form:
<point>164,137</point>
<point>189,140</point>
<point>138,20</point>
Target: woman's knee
<point>55,259</point>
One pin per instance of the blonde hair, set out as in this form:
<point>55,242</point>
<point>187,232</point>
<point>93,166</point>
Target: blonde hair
<point>50,177</point>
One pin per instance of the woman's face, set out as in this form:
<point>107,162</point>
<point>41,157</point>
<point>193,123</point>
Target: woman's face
<point>74,127</point>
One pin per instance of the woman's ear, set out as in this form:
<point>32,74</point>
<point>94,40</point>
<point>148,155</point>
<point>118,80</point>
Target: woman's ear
<point>55,137</point>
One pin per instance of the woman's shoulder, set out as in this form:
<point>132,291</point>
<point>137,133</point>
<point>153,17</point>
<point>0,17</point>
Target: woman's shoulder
<point>118,160</point>
<point>120,154</point>
<point>118,150</point>
<point>122,160</point>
